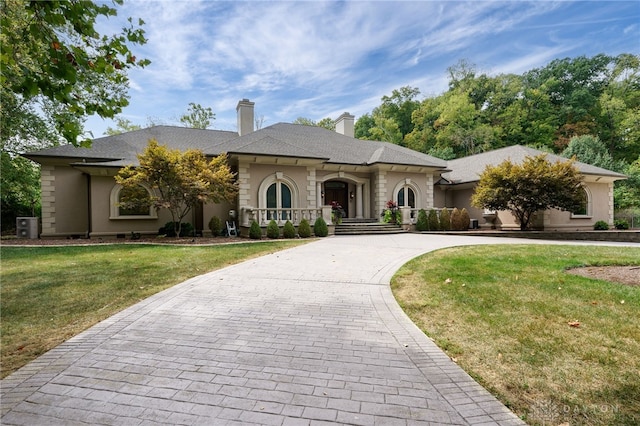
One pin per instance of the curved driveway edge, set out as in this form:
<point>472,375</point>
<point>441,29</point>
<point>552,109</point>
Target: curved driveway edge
<point>307,336</point>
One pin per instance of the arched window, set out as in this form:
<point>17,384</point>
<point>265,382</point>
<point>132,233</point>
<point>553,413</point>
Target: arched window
<point>585,206</point>
<point>119,210</point>
<point>279,196</point>
<point>406,197</point>
<point>278,192</point>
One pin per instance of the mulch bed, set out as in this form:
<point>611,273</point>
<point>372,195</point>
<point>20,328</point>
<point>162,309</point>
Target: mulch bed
<point>628,275</point>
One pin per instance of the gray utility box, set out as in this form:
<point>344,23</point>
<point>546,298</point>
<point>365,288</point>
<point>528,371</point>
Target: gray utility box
<point>27,227</point>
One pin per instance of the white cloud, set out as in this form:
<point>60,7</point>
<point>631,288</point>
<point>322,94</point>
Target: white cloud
<point>319,59</point>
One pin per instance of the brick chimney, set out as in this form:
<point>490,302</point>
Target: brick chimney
<point>245,117</point>
<point>344,124</point>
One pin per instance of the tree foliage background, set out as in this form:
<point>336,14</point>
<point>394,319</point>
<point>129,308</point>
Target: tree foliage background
<point>56,71</point>
<point>594,99</point>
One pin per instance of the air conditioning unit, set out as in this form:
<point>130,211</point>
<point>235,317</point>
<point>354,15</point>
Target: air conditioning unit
<point>27,227</point>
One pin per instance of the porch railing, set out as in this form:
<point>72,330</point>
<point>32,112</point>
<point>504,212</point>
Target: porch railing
<point>264,215</point>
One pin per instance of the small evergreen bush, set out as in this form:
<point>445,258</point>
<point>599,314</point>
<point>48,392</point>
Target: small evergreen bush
<point>445,220</point>
<point>456,220</point>
<point>601,225</point>
<point>186,229</point>
<point>273,230</point>
<point>320,227</point>
<point>432,221</point>
<point>255,233</point>
<point>621,224</point>
<point>422,223</point>
<point>215,226</point>
<point>466,219</point>
<point>289,231</point>
<point>304,229</point>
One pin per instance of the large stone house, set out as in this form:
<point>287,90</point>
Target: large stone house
<point>284,172</point>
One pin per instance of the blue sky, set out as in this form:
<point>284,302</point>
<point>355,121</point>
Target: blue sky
<point>318,59</point>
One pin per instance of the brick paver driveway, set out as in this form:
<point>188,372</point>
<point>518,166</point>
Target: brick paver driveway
<point>310,335</point>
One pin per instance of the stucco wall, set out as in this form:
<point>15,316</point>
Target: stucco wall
<point>104,226</point>
<point>220,210</point>
<point>64,202</point>
<point>600,208</point>
<point>390,182</point>
<point>257,173</point>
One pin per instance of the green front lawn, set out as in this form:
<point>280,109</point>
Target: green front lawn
<point>504,313</point>
<point>49,294</point>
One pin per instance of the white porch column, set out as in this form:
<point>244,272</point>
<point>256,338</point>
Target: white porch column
<point>318,194</point>
<point>359,201</point>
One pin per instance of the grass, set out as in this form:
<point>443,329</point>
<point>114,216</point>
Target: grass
<point>504,318</point>
<point>50,294</point>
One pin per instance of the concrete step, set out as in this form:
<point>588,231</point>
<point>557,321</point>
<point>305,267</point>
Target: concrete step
<point>369,227</point>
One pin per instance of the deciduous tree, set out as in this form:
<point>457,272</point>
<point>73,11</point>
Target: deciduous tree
<point>198,117</point>
<point>57,66</point>
<point>534,185</point>
<point>178,180</point>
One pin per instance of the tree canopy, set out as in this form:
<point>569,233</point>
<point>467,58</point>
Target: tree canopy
<point>544,108</point>
<point>57,69</point>
<point>326,123</point>
<point>177,180</point>
<point>532,186</point>
<point>198,117</point>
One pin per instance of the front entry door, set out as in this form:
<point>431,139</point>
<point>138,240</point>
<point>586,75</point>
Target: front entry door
<point>337,191</point>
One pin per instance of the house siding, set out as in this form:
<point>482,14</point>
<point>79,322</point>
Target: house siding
<point>102,225</point>
<point>64,202</point>
<point>557,220</point>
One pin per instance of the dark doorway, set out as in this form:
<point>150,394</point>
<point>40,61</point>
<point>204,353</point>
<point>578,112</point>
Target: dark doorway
<point>339,192</point>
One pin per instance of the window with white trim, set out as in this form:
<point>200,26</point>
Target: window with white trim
<point>278,192</point>
<point>584,211</point>
<point>278,196</point>
<point>406,197</point>
<point>120,211</point>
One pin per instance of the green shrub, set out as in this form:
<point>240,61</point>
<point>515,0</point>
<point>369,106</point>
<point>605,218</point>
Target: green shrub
<point>255,233</point>
<point>422,224</point>
<point>445,219</point>
<point>320,227</point>
<point>215,226</point>
<point>601,225</point>
<point>289,231</point>
<point>456,220</point>
<point>304,229</point>
<point>273,230</point>
<point>621,224</point>
<point>186,229</point>
<point>466,219</point>
<point>432,220</point>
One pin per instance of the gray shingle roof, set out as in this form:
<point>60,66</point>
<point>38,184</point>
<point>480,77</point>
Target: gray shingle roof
<point>282,139</point>
<point>126,146</point>
<point>297,140</point>
<point>468,169</point>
